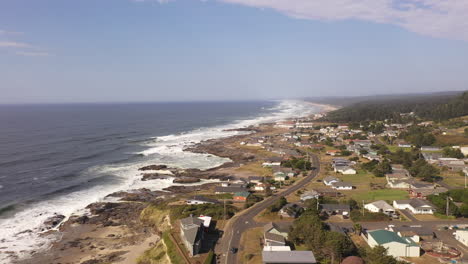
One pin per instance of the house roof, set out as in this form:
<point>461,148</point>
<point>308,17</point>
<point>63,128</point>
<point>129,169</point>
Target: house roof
<point>336,207</point>
<point>310,193</point>
<point>288,257</point>
<point>280,227</point>
<point>241,194</point>
<point>384,236</point>
<point>352,260</point>
<point>416,203</point>
<point>330,178</point>
<point>342,184</point>
<point>274,237</point>
<point>191,234</point>
<point>381,204</point>
<point>203,199</point>
<point>229,189</point>
<point>191,221</point>
<point>418,230</point>
<point>255,178</point>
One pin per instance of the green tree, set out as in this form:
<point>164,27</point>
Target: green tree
<point>378,255</point>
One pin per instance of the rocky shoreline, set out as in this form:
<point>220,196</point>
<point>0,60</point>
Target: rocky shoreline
<point>109,229</point>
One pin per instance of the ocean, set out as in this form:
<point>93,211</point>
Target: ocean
<point>57,159</point>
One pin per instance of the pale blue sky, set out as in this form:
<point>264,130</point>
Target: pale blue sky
<point>125,50</point>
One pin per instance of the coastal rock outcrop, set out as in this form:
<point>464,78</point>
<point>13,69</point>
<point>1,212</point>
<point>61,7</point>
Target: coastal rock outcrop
<point>138,195</point>
<point>153,167</point>
<point>52,222</point>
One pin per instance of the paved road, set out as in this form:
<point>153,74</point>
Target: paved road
<point>240,223</point>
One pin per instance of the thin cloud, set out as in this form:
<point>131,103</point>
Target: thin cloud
<point>14,44</point>
<point>436,18</point>
<point>33,54</point>
<point>6,32</point>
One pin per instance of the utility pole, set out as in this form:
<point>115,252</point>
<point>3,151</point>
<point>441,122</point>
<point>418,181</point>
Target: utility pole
<point>447,207</point>
<point>224,201</point>
<point>466,174</point>
<point>362,207</point>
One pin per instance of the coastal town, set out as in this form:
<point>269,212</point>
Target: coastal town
<point>296,191</point>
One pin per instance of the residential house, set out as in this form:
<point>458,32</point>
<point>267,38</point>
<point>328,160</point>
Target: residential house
<point>429,148</point>
<point>342,186</point>
<point>256,179</point>
<point>201,200</point>
<point>279,176</point>
<point>272,239</point>
<point>344,170</point>
<point>404,145</point>
<point>404,184</point>
<point>415,232</point>
<point>462,236</point>
<point>191,233</point>
<point>339,209</point>
<point>329,180</point>
<point>285,124</point>
<point>333,152</point>
<point>241,196</point>
<point>310,195</point>
<point>276,228</point>
<point>229,189</point>
<point>273,161</point>
<point>380,207</point>
<point>416,206</point>
<point>276,248</point>
<point>452,164</point>
<point>291,210</point>
<point>396,246</point>
<point>432,157</point>
<point>289,257</point>
<point>422,193</point>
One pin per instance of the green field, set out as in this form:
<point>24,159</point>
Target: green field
<point>385,194</point>
<point>394,149</point>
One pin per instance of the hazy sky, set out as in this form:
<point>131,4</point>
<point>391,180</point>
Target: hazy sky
<point>128,50</point>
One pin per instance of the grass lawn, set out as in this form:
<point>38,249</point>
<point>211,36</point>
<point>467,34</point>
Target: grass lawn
<point>154,255</point>
<point>394,149</point>
<point>453,179</point>
<point>251,249</point>
<point>266,217</point>
<point>256,169</point>
<point>384,194</point>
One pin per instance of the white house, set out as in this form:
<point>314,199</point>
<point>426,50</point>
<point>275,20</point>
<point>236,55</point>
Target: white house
<point>416,206</point>
<point>342,186</point>
<point>329,180</point>
<point>344,170</point>
<point>310,195</point>
<point>462,236</point>
<point>201,200</point>
<point>380,207</point>
<point>396,246</point>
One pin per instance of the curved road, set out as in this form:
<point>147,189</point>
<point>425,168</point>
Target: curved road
<point>244,220</point>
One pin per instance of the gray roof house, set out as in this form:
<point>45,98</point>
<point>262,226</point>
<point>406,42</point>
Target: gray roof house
<point>310,195</point>
<point>197,199</point>
<point>230,189</point>
<point>277,228</point>
<point>329,180</point>
<point>330,209</point>
<point>416,206</point>
<point>288,257</point>
<point>191,233</point>
<point>272,239</point>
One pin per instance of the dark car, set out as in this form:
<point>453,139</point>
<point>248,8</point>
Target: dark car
<point>233,250</point>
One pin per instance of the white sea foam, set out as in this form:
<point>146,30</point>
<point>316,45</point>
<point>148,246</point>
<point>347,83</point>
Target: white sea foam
<point>20,234</point>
